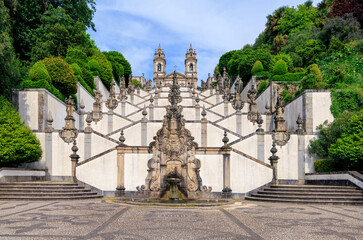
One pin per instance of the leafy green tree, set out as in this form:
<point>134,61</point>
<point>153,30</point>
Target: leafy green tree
<point>39,71</point>
<point>105,67</point>
<point>118,61</point>
<point>286,58</point>
<point>310,50</point>
<point>313,78</point>
<point>273,21</point>
<point>80,58</point>
<point>342,7</point>
<point>17,143</point>
<point>9,64</point>
<point>224,59</point>
<point>58,32</point>
<point>347,99</point>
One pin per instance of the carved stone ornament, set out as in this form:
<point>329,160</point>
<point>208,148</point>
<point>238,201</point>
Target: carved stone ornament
<point>237,102</point>
<point>252,111</point>
<point>69,132</point>
<point>280,134</point>
<point>173,151</point>
<point>148,85</point>
<point>112,103</point>
<point>97,107</point>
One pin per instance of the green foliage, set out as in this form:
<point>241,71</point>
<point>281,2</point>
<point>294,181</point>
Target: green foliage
<point>299,70</point>
<point>9,64</point>
<point>136,83</point>
<point>287,97</point>
<point>296,59</point>
<point>39,71</point>
<point>286,58</point>
<point>17,143</point>
<point>224,59</point>
<point>347,99</point>
<point>80,58</point>
<point>42,83</point>
<point>348,149</point>
<point>76,69</point>
<point>324,165</point>
<point>289,77</point>
<point>94,65</point>
<point>263,85</point>
<point>263,75</point>
<point>118,63</point>
<point>62,75</point>
<point>313,78</point>
<point>257,68</point>
<point>105,67</point>
<point>310,50</point>
<point>280,67</point>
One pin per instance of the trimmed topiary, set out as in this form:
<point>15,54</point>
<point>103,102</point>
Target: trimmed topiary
<point>18,143</point>
<point>280,68</point>
<point>42,83</point>
<point>286,58</point>
<point>289,77</point>
<point>313,78</point>
<point>257,68</point>
<point>39,71</point>
<point>94,65</point>
<point>61,74</point>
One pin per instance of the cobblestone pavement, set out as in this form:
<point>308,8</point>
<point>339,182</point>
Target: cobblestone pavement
<point>99,219</point>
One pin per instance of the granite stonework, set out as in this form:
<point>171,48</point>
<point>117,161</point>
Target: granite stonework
<point>251,122</point>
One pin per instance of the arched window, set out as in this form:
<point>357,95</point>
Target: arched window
<point>191,67</point>
<point>159,67</point>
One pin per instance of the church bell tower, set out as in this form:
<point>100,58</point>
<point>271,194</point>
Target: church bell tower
<point>159,64</point>
<point>191,66</point>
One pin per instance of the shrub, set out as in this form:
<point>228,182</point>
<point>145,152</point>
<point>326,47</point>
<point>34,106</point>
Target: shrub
<point>136,83</point>
<point>95,73</point>
<point>299,70</point>
<point>38,71</point>
<point>286,58</point>
<point>76,69</point>
<point>289,77</point>
<point>347,99</point>
<point>62,75</point>
<point>257,67</point>
<point>18,143</point>
<point>263,85</point>
<point>94,65</point>
<point>42,83</point>
<point>287,96</point>
<point>313,78</point>
<point>280,67</point>
<point>296,59</point>
<point>324,165</point>
<point>105,67</point>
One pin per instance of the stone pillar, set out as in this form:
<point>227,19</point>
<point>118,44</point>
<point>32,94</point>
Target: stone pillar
<point>197,112</point>
<point>144,128</point>
<point>123,108</point>
<point>48,144</point>
<point>274,160</point>
<point>156,98</point>
<point>151,112</point>
<point>110,121</point>
<point>88,137</point>
<point>226,151</point>
<point>261,146</point>
<point>74,158</point>
<point>239,122</point>
<point>301,158</point>
<point>81,115</point>
<point>268,122</point>
<point>225,107</point>
<point>217,98</point>
<point>120,189</point>
<point>204,123</point>
<point>132,97</point>
<point>308,112</point>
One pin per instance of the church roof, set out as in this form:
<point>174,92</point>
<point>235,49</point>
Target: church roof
<point>178,74</point>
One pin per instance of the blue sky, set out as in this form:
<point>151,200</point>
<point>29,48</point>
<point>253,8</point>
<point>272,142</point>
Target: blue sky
<point>213,27</point>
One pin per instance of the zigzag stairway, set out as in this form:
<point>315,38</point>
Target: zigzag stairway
<point>324,194</point>
<point>45,191</point>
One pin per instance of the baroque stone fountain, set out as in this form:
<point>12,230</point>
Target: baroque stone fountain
<point>173,164</point>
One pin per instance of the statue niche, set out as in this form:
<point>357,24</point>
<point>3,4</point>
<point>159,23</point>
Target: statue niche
<point>173,154</point>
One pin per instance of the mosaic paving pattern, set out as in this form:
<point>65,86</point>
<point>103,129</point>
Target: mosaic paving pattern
<point>98,219</point>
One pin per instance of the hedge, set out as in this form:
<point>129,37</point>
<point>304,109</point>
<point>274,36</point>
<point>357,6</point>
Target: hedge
<point>263,85</point>
<point>105,67</point>
<point>17,143</point>
<point>289,77</point>
<point>257,67</point>
<point>263,75</point>
<point>42,83</point>
<point>61,74</point>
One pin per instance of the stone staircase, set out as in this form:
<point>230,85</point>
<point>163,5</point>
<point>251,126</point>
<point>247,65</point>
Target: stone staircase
<point>310,194</point>
<point>45,191</point>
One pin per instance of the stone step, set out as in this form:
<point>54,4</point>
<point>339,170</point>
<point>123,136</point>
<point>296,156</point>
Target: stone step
<point>54,198</point>
<point>312,187</point>
<point>304,201</point>
<point>45,191</point>
<point>347,191</point>
<point>39,194</point>
<point>35,183</point>
<point>355,193</point>
<point>304,197</point>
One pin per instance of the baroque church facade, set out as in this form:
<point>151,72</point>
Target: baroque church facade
<point>161,78</point>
